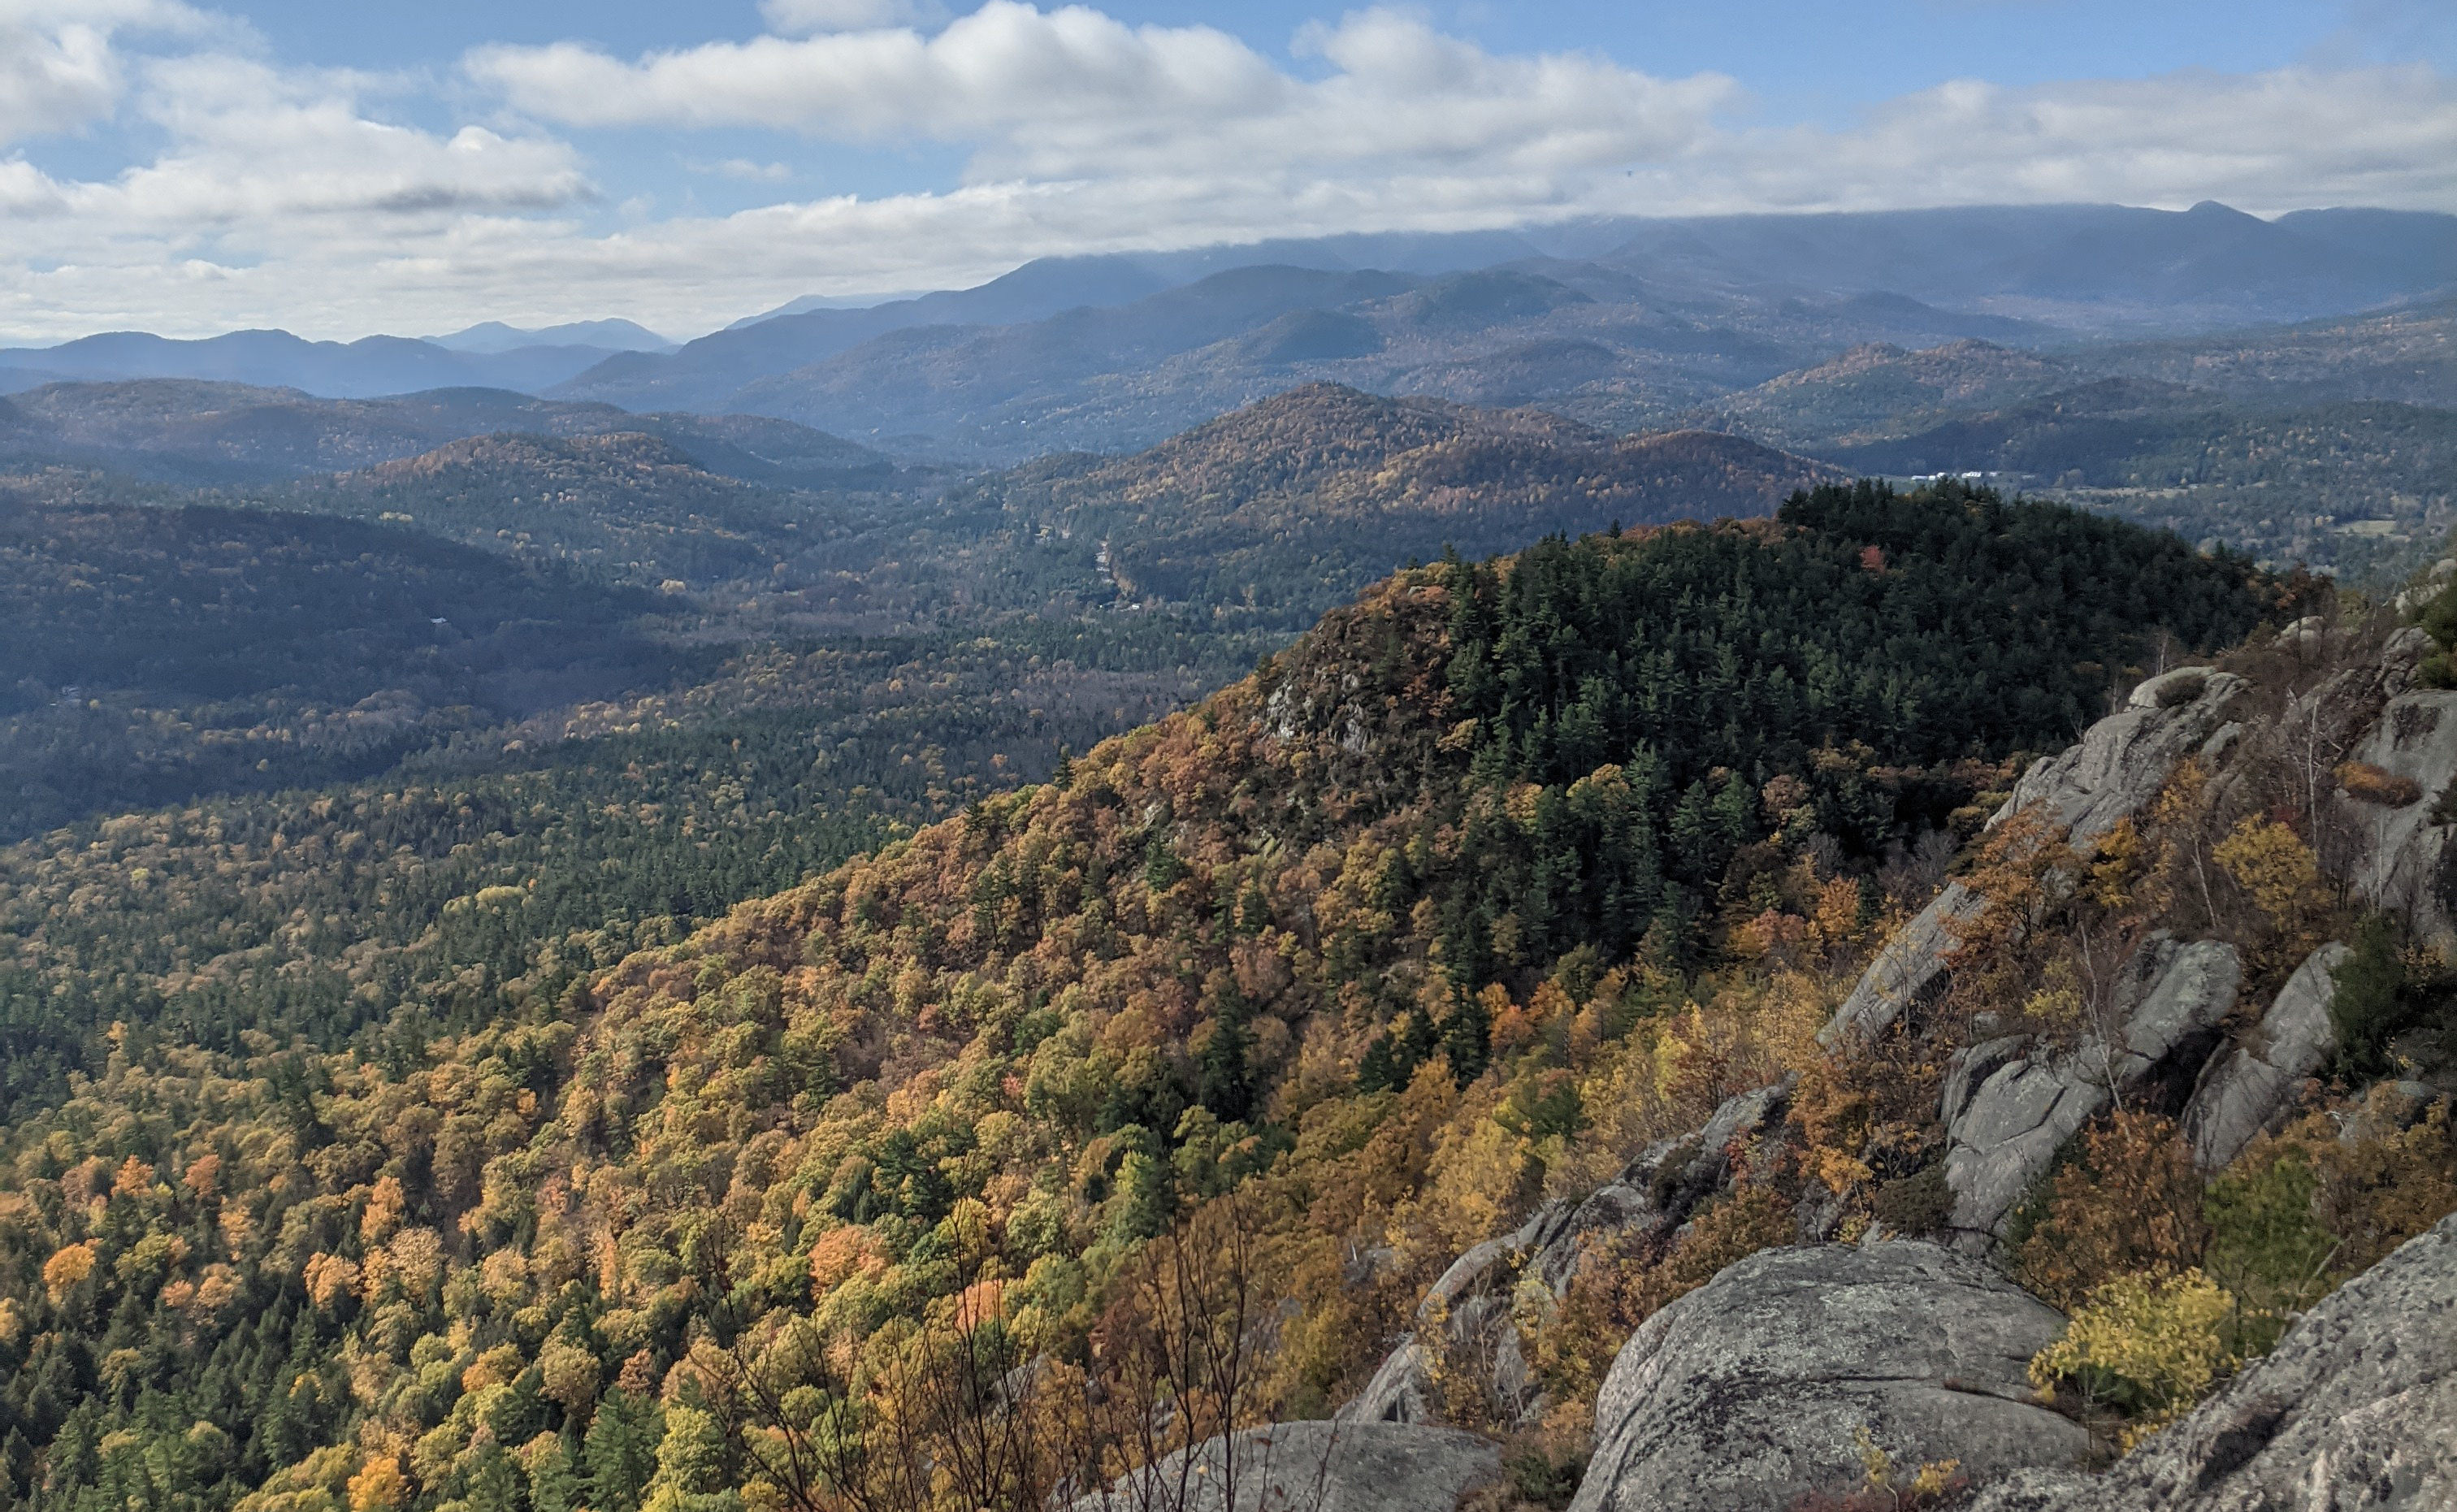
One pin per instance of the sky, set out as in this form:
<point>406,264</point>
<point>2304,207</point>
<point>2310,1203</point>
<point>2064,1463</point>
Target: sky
<point>342,169</point>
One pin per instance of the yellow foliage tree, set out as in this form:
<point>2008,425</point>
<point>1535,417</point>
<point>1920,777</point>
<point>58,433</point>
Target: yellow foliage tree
<point>378,1486</point>
<point>66,1268</point>
<point>2146,1344</point>
<point>2281,874</point>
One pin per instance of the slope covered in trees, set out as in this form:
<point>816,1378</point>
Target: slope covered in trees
<point>1435,912</point>
<point>1301,499</point>
<point>157,652</point>
<point>203,432</point>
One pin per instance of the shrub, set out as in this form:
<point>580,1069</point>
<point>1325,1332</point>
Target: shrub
<point>2272,864</point>
<point>1936,1483</point>
<point>2131,1202</point>
<point>2267,1248</point>
<point>1915,1205</point>
<point>2147,1344</point>
<point>2371,1002</point>
<point>2380,1180</point>
<point>2367,784</point>
<point>2181,692</point>
<point>1539,1473</point>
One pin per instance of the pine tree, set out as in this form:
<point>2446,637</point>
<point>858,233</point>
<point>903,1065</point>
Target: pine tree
<point>553,1484</point>
<point>494,1480</point>
<point>622,1453</point>
<point>690,1467</point>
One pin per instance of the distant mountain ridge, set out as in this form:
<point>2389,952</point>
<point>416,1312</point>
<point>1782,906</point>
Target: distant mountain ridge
<point>359,369</point>
<point>492,336</point>
<point>185,430</point>
<point>1682,310</point>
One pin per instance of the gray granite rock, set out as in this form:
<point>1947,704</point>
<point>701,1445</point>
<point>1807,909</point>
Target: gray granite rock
<point>2246,1091</point>
<point>1311,1467</point>
<point>2121,762</point>
<point>2173,997</point>
<point>1910,973</point>
<point>1470,1305</point>
<point>2391,856</point>
<point>2008,1106</point>
<point>2118,766</point>
<point>1747,1393</point>
<point>2009,1135</point>
<point>2356,1408</point>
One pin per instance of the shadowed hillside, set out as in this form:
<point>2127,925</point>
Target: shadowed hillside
<point>1295,500</point>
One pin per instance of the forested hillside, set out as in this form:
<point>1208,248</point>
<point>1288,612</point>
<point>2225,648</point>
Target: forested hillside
<point>1501,870</point>
<point>630,565</point>
<point>2345,465</point>
<point>198,433</point>
<point>1292,503</point>
<point>160,652</point>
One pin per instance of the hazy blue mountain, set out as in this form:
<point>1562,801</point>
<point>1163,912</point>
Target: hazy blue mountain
<point>1601,347</point>
<point>2104,265</point>
<point>191,432</point>
<point>488,338</point>
<point>1624,324</point>
<point>373,365</point>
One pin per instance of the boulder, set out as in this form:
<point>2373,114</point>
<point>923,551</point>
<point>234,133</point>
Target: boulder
<point>2173,997</point>
<point>2009,1135</point>
<point>2389,851</point>
<point>2007,1107</point>
<point>1470,1304</point>
<point>2115,769</point>
<point>1749,1392</point>
<point>1315,1466</point>
<point>2355,1408</point>
<point>2246,1091</point>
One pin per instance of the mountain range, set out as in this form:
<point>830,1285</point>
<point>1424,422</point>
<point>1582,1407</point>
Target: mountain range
<point>1623,323</point>
<point>200,432</point>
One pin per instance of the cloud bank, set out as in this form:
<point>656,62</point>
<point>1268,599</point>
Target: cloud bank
<point>290,196</point>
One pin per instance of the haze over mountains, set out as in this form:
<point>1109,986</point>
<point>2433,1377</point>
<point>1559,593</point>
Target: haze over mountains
<point>1622,323</point>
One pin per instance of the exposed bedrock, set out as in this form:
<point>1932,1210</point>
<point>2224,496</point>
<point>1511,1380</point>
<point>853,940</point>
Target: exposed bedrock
<point>2354,1411</point>
<point>2110,775</point>
<point>1466,1314</point>
<point>2008,1106</point>
<point>1751,1391</point>
<point>2252,1085</point>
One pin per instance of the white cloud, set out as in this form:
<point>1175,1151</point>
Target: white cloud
<point>58,72</point>
<point>2262,142</point>
<point>283,198</point>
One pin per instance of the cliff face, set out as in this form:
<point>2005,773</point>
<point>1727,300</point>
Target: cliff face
<point>2130,998</point>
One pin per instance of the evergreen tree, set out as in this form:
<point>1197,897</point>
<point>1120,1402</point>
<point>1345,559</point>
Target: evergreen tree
<point>691,1475</point>
<point>622,1450</point>
<point>554,1486</point>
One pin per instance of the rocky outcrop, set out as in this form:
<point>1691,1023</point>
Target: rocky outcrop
<point>1311,1467</point>
<point>2390,849</point>
<point>2355,1408</point>
<point>1748,1391</point>
<point>2009,1134</point>
<point>2008,1106</point>
<point>2115,769</point>
<point>1467,1312</point>
<point>1907,974</point>
<point>2247,1090</point>
<point>2119,765</point>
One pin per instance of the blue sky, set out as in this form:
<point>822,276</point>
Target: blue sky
<point>343,168</point>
